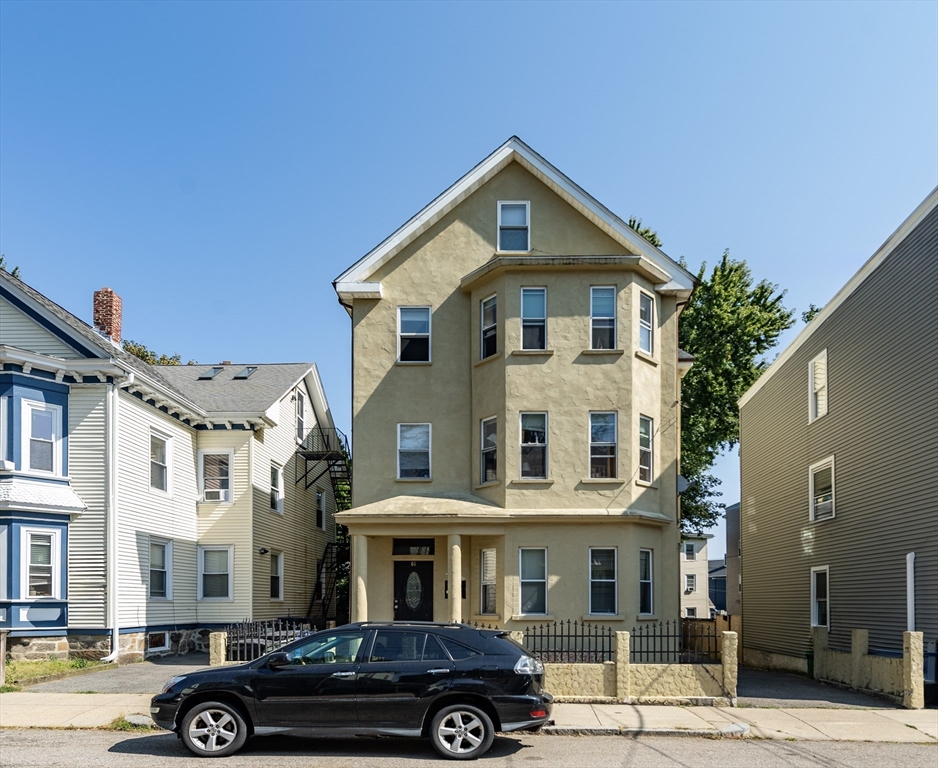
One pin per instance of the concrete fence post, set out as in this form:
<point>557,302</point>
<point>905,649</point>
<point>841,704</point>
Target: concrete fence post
<point>623,671</point>
<point>859,649</point>
<point>819,638</point>
<point>517,635</point>
<point>217,648</point>
<point>913,670</point>
<point>730,665</point>
<point>3,657</point>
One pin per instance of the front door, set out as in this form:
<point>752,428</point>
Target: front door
<point>413,590</point>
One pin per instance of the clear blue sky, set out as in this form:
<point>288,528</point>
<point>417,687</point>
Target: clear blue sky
<point>218,164</point>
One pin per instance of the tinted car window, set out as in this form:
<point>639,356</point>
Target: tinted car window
<point>398,646</point>
<point>332,648</point>
<point>433,651</point>
<point>458,650</point>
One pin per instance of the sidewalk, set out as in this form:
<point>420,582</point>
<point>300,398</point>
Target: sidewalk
<point>25,709</point>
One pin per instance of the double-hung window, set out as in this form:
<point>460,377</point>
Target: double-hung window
<point>276,488</point>
<point>161,559</point>
<point>413,451</point>
<point>300,416</point>
<point>533,581</point>
<point>276,576</point>
<point>602,581</point>
<point>488,600</point>
<point>514,232</point>
<point>489,320</point>
<point>321,510</point>
<point>646,603</point>
<point>159,462</point>
<point>646,448</point>
<point>489,458</point>
<point>603,317</point>
<point>413,334</point>
<point>534,318</point>
<point>646,323</point>
<point>820,601</point>
<point>690,582</point>
<point>534,445</point>
<point>43,427</point>
<point>690,552</point>
<point>603,445</point>
<point>817,383</point>
<point>821,482</point>
<point>215,476</point>
<point>40,563</point>
<point>215,573</point>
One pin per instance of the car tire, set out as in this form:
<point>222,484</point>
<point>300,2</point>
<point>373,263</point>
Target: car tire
<point>213,729</point>
<point>461,732</point>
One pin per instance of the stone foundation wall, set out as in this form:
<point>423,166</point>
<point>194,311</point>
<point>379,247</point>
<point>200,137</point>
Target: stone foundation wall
<point>779,661</point>
<point>93,647</point>
<point>592,681</point>
<point>676,681</point>
<point>37,648</point>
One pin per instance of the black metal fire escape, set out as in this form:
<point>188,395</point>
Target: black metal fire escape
<point>326,450</point>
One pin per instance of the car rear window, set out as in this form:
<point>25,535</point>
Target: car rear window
<point>433,651</point>
<point>457,650</point>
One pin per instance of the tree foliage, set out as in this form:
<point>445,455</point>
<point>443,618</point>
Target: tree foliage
<point>729,325</point>
<point>15,272</point>
<point>810,313</point>
<point>649,234</point>
<point>148,355</point>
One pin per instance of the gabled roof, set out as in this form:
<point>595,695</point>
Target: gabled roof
<point>353,283</point>
<point>893,241</point>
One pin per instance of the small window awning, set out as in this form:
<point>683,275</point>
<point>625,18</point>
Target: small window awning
<point>22,494</point>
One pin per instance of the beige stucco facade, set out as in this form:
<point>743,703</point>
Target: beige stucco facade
<point>451,266</point>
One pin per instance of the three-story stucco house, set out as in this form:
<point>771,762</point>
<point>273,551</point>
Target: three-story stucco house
<point>142,505</point>
<point>515,408</point>
<point>839,465</point>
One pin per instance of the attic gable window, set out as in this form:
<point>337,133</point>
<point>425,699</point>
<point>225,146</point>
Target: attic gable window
<point>246,372</point>
<point>211,373</point>
<point>514,231</point>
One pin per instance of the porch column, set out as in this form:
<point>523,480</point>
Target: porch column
<point>454,544</point>
<point>359,608</point>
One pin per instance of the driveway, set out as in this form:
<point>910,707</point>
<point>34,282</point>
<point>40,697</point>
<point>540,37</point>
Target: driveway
<point>761,688</point>
<point>143,677</point>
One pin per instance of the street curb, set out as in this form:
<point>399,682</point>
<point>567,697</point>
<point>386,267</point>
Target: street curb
<point>613,730</point>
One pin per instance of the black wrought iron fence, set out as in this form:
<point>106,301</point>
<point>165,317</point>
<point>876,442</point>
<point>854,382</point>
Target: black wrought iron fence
<point>249,640</point>
<point>571,642</point>
<point>674,642</point>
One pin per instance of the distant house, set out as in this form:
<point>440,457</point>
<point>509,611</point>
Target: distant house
<point>839,464</point>
<point>716,577</point>
<point>149,503</point>
<point>695,589</point>
<point>734,582</point>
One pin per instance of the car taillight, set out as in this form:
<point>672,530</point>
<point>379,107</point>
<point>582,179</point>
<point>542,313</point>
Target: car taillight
<point>538,713</point>
<point>528,665</point>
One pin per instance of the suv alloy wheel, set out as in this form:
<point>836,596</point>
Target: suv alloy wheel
<point>461,732</point>
<point>213,729</point>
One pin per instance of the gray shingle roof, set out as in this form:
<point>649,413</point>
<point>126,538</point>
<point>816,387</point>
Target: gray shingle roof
<point>225,394</point>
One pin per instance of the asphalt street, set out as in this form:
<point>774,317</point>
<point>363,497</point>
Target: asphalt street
<point>108,749</point>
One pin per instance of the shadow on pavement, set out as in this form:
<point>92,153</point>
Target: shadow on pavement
<point>763,688</point>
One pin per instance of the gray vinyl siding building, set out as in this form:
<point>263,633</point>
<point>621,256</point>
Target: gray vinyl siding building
<point>880,334</point>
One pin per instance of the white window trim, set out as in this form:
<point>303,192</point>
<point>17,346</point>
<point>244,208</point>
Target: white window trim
<point>169,463</point>
<point>416,335</point>
<point>615,316</point>
<point>279,489</point>
<point>483,327</point>
<point>483,584</point>
<point>483,450</point>
<point>589,444</point>
<point>614,580</point>
<point>168,544</point>
<point>321,508</point>
<point>829,461</point>
<point>226,495</point>
<point>651,449</point>
<point>642,324</point>
<point>57,443</point>
<point>300,415</point>
<point>429,448</point>
<point>544,318</point>
<point>3,429</point>
<point>827,570</point>
<point>214,547</point>
<point>813,414</point>
<point>155,648</point>
<point>522,444</point>
<point>688,614</point>
<point>690,582</point>
<point>527,219</point>
<point>650,580</point>
<point>279,555</point>
<point>56,556</point>
<point>522,581</point>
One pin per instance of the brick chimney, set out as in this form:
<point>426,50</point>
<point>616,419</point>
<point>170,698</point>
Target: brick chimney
<point>107,313</point>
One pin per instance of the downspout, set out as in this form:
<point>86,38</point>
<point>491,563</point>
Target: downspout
<point>910,591</point>
<point>113,571</point>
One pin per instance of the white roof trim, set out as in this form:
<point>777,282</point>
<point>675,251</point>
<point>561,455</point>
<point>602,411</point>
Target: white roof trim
<point>892,242</point>
<point>354,279</point>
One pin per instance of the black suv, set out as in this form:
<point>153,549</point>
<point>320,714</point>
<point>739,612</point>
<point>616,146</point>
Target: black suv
<point>452,683</point>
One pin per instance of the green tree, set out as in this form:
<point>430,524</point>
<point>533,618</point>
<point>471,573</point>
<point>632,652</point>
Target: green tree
<point>810,313</point>
<point>649,234</point>
<point>729,325</point>
<point>148,355</point>
<point>15,272</point>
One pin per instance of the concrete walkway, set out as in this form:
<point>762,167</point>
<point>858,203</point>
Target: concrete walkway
<point>29,709</point>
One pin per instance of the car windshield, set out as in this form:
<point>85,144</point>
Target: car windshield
<point>331,648</point>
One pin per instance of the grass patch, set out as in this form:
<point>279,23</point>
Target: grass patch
<point>122,724</point>
<point>8,689</point>
<point>24,671</point>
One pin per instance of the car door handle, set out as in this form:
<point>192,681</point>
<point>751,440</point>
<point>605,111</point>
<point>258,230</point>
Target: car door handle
<point>343,674</point>
<point>438,671</point>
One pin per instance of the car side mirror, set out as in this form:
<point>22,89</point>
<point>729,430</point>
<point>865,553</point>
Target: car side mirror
<point>276,660</point>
